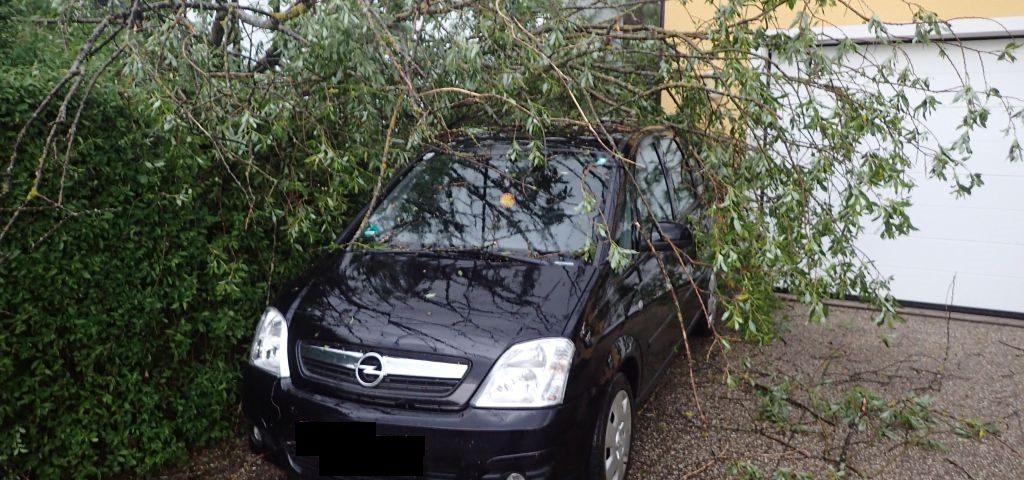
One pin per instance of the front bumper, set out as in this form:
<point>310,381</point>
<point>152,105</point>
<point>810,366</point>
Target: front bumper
<point>471,443</point>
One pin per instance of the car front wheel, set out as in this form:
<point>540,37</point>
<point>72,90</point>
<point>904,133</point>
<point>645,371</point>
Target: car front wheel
<point>613,435</point>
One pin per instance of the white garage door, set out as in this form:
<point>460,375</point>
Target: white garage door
<point>968,252</point>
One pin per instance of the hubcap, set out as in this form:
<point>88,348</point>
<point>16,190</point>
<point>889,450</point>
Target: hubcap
<point>617,436</point>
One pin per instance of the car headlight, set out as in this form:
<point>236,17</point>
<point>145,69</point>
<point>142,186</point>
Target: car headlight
<point>270,345</point>
<point>529,374</point>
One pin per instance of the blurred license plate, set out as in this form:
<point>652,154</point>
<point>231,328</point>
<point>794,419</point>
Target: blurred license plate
<point>354,448</point>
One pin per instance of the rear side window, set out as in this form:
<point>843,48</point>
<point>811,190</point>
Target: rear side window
<point>650,180</point>
<point>679,178</point>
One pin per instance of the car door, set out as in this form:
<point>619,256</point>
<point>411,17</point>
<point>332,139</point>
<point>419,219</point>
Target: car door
<point>655,303</point>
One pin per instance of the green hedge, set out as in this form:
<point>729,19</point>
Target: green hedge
<point>124,329</point>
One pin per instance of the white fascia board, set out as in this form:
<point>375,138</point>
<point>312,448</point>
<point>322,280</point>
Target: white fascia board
<point>952,30</point>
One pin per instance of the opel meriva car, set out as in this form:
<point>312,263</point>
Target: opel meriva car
<point>476,324</point>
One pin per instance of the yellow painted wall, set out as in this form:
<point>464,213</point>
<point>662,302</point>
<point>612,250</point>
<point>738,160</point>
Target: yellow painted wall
<point>687,15</point>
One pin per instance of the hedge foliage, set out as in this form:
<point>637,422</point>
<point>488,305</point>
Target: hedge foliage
<point>126,314</point>
<point>122,326</point>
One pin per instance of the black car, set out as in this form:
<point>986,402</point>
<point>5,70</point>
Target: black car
<point>492,317</point>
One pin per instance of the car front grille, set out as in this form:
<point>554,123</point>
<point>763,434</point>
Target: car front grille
<point>332,373</point>
<point>335,366</point>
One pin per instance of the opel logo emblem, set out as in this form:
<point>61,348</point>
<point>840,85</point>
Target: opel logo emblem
<point>370,370</point>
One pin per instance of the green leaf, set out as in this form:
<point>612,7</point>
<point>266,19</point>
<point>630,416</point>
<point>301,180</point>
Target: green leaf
<point>619,257</point>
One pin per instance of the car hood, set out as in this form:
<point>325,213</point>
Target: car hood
<point>430,304</point>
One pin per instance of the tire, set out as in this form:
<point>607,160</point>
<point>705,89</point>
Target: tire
<point>702,326</point>
<point>610,453</point>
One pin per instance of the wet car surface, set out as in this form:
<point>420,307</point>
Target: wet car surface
<point>476,307</point>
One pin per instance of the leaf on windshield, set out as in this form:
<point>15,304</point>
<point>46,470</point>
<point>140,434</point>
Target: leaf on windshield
<point>587,205</point>
<point>507,200</point>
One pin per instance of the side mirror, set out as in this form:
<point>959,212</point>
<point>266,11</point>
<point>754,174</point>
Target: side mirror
<point>675,233</point>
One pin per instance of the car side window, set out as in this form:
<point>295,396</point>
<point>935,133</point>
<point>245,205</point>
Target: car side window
<point>656,203</point>
<point>679,178</point>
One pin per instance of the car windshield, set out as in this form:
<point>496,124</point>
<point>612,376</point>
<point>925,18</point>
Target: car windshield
<point>455,203</point>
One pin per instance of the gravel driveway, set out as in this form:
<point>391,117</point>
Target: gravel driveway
<point>775,420</point>
<point>974,372</point>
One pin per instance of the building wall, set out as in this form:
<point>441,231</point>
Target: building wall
<point>689,14</point>
<point>966,252</point>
